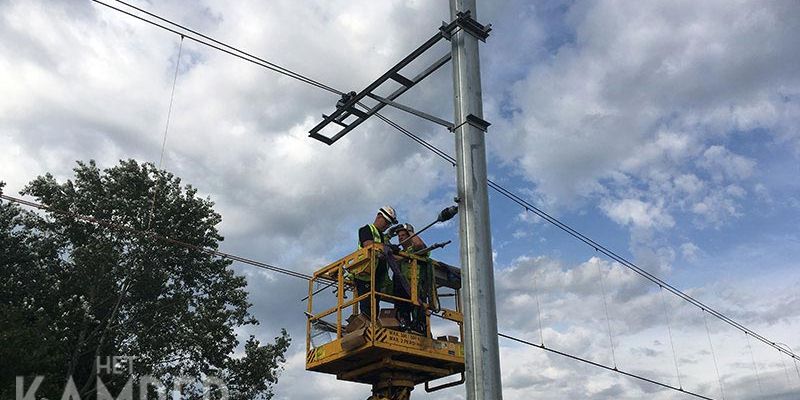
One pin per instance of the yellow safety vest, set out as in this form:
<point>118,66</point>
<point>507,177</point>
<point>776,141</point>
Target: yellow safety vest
<point>362,273</point>
<point>376,235</point>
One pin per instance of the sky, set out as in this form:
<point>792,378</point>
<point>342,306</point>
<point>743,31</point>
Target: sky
<point>665,130</point>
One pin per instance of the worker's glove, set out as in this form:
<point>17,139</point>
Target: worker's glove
<point>395,248</point>
<point>392,232</point>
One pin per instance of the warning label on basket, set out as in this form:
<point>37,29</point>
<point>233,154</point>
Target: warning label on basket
<point>403,339</point>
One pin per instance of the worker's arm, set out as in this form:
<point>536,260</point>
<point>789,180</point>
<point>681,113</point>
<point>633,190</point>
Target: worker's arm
<point>417,243</point>
<point>365,236</point>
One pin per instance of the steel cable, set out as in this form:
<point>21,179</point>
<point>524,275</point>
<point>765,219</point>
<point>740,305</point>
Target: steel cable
<point>225,47</point>
<point>713,355</point>
<point>595,245</point>
<point>669,331</point>
<point>538,310</point>
<point>153,235</point>
<point>608,320</point>
<point>755,367</point>
<point>500,189</point>
<point>583,360</point>
<point>166,130</point>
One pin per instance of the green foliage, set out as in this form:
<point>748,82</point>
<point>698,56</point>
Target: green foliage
<point>73,291</point>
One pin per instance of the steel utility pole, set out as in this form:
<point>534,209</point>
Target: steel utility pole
<point>481,354</point>
<point>480,318</point>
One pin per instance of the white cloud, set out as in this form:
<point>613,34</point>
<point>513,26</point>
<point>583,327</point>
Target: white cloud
<point>573,320</point>
<point>688,184</point>
<point>719,205</point>
<point>638,214</point>
<point>721,163</point>
<point>296,383</point>
<point>635,106</point>
<point>650,97</point>
<point>689,251</point>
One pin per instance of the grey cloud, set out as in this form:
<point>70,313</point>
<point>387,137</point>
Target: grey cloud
<point>574,321</point>
<point>89,83</point>
<point>613,392</point>
<point>720,162</point>
<point>645,352</point>
<point>657,89</point>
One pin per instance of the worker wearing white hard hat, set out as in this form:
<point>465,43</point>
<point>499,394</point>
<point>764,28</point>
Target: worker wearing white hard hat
<point>367,235</point>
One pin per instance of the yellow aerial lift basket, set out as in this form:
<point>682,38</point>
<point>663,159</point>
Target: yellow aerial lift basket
<point>371,347</point>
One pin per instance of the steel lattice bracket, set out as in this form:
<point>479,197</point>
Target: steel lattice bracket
<point>350,109</point>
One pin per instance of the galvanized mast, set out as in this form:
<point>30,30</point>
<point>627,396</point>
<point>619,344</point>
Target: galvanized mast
<point>480,319</point>
<point>482,358</point>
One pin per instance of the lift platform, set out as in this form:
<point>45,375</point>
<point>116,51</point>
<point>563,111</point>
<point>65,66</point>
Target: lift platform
<point>374,349</point>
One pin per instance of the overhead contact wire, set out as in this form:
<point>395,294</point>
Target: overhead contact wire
<point>225,48</point>
<point>616,370</point>
<point>115,226</point>
<point>274,67</point>
<point>500,189</point>
<point>593,244</point>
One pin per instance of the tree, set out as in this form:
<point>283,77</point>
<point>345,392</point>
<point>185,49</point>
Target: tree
<point>74,291</point>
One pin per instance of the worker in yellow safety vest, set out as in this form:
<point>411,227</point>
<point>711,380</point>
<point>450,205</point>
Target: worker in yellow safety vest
<point>367,235</point>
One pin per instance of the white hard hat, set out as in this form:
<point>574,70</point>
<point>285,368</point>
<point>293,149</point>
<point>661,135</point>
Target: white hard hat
<point>388,213</point>
<point>407,227</point>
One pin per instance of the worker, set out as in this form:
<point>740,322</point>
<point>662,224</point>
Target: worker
<point>411,316</point>
<point>367,235</point>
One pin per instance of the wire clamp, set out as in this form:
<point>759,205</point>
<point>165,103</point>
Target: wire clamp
<point>346,97</point>
<point>465,21</point>
<point>476,122</point>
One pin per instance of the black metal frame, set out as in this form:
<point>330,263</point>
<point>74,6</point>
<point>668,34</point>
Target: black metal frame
<point>348,105</point>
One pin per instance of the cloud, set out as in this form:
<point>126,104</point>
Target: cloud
<point>656,92</point>
<point>647,109</point>
<point>639,214</point>
<point>84,82</point>
<point>570,301</point>
<point>722,163</point>
<point>689,251</point>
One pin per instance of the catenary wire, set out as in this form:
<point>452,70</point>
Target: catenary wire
<point>669,331</point>
<point>151,235</point>
<point>500,189</point>
<point>753,358</point>
<point>583,360</point>
<point>277,68</point>
<point>171,101</point>
<point>188,33</point>
<point>119,227</point>
<point>538,310</point>
<point>116,226</point>
<point>796,368</point>
<point>786,371</point>
<point>166,129</point>
<point>608,320</point>
<point>591,243</point>
<point>714,355</point>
